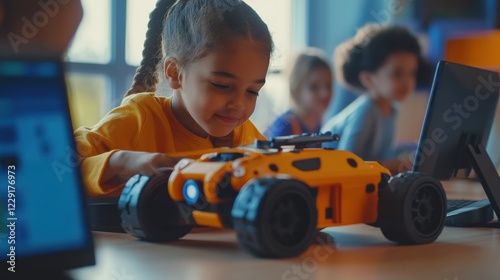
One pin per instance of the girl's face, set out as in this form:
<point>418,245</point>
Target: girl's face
<point>218,92</point>
<point>316,92</point>
<point>396,78</point>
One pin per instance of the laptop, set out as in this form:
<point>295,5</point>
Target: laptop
<point>460,134</point>
<point>43,203</point>
<point>466,212</point>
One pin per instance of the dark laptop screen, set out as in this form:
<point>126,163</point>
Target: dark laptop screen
<point>37,147</point>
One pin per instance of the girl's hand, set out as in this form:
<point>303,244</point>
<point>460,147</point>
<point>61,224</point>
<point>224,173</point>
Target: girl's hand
<point>124,164</point>
<point>397,165</point>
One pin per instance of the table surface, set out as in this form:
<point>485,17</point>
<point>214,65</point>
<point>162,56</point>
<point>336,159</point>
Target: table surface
<point>348,252</point>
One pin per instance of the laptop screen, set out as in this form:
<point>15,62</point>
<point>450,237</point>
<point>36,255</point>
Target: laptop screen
<point>43,204</point>
<point>493,147</point>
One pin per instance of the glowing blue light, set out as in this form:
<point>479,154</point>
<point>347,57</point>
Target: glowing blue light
<point>191,191</point>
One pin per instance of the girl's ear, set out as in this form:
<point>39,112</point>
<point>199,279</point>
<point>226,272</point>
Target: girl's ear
<point>172,72</point>
<point>365,78</point>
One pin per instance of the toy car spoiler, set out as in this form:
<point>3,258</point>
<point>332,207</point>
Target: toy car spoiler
<point>299,141</point>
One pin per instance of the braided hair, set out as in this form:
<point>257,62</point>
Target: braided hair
<point>191,29</point>
<point>146,77</point>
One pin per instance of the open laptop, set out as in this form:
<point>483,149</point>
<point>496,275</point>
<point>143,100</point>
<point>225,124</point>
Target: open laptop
<point>43,204</point>
<point>460,133</point>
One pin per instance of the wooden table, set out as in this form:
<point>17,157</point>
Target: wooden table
<point>350,252</point>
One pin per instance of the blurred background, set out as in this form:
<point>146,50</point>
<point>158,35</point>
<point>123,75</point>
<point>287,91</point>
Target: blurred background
<point>107,48</point>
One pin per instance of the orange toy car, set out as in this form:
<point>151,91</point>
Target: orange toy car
<point>278,193</point>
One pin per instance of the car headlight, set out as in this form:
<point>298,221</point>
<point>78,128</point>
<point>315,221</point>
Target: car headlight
<point>191,191</point>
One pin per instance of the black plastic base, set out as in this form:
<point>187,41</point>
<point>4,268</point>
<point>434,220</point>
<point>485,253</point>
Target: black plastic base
<point>477,214</point>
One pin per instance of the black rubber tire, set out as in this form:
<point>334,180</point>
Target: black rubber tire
<point>275,218</point>
<point>412,209</point>
<point>147,212</point>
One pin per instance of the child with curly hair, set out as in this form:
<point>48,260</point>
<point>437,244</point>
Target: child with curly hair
<point>381,62</point>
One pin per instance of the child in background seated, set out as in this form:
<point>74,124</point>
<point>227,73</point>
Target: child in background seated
<point>310,82</point>
<point>382,63</point>
<point>215,65</point>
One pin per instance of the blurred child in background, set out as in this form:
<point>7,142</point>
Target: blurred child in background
<point>19,34</point>
<point>310,84</point>
<point>382,63</point>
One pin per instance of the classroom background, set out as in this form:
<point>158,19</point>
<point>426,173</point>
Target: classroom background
<point>107,48</point>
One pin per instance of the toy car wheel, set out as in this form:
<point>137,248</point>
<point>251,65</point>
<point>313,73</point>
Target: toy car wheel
<point>275,218</point>
<point>147,212</point>
<point>412,209</point>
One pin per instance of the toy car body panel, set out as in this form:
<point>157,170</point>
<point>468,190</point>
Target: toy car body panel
<point>333,176</point>
<point>276,196</point>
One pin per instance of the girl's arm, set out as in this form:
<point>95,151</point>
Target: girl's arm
<point>105,150</point>
<point>124,164</point>
<point>396,165</point>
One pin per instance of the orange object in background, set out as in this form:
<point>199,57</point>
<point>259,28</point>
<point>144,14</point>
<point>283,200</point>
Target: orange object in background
<point>478,50</point>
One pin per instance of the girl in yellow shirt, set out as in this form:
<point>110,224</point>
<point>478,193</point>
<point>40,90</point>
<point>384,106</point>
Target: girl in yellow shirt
<point>215,58</point>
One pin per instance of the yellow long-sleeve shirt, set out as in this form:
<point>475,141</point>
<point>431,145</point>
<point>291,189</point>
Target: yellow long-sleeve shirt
<point>143,122</point>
